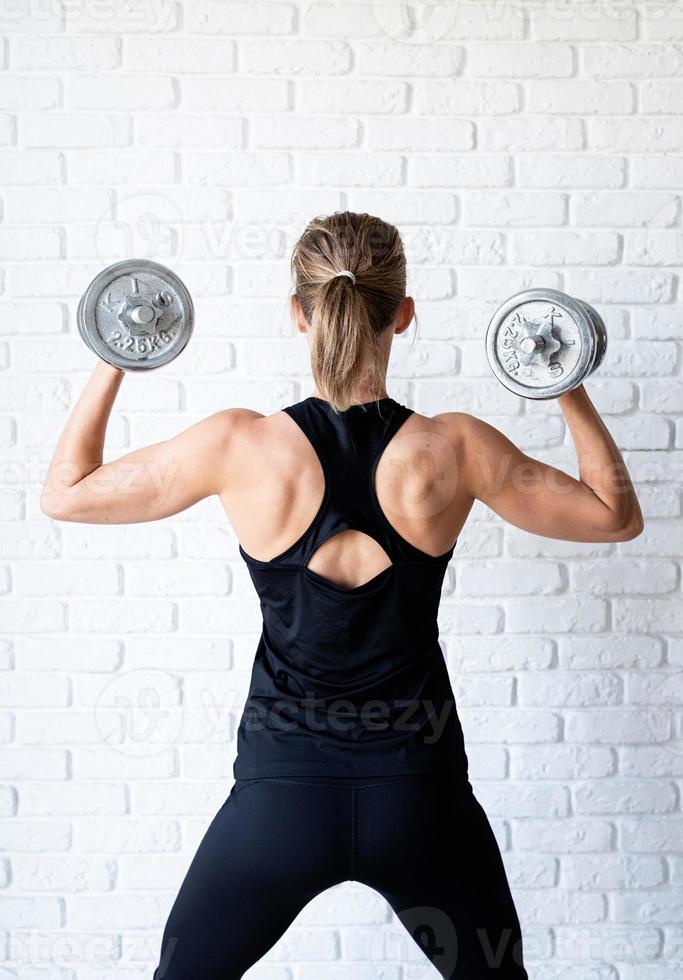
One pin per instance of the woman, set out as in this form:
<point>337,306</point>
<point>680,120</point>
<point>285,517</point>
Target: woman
<point>347,506</point>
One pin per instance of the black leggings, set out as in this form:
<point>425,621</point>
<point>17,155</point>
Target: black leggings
<point>422,841</point>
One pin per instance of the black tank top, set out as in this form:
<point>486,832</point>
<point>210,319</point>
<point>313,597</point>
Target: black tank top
<point>349,681</point>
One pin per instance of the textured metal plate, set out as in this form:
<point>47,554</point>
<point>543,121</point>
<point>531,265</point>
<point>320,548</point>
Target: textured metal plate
<point>600,332</point>
<point>542,342</point>
<point>136,315</point>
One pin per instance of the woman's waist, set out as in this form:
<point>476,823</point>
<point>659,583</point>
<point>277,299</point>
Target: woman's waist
<point>338,642</point>
<point>318,672</point>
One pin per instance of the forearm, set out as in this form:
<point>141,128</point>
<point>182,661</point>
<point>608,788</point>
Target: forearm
<point>80,447</point>
<point>601,466</point>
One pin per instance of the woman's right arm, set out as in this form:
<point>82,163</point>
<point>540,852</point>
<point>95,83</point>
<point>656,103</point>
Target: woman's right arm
<point>600,506</point>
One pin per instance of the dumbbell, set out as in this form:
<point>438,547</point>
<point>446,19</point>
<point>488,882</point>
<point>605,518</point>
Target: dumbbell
<point>542,343</point>
<point>136,315</point>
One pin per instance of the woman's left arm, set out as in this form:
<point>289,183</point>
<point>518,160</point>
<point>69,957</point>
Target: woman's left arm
<point>145,485</point>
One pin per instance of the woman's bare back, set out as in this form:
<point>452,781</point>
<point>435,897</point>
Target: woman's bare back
<point>281,485</point>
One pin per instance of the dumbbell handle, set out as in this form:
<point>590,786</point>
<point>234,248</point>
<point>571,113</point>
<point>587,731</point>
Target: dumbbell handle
<point>142,314</point>
<point>531,344</point>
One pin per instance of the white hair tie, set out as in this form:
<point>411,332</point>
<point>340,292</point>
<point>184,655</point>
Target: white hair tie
<point>345,272</point>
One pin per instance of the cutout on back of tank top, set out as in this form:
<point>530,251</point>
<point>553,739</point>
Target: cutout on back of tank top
<point>379,564</point>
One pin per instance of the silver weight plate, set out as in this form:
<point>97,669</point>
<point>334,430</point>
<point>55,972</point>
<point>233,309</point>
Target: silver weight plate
<point>136,315</point>
<point>542,343</point>
<point>600,333</point>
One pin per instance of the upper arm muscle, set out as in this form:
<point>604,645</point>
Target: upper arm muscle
<point>158,480</point>
<point>525,492</point>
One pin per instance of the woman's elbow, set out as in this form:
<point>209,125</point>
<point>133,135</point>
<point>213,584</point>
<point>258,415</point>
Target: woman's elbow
<point>632,529</point>
<point>627,528</point>
<point>611,526</point>
<point>57,507</point>
<point>49,509</point>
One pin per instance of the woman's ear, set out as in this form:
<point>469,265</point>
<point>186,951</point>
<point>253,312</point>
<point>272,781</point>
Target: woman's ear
<point>297,314</point>
<point>406,312</point>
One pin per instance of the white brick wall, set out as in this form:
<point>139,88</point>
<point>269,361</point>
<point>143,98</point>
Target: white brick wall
<point>516,144</point>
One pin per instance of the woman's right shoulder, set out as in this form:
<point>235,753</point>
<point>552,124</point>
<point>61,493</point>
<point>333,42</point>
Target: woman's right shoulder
<point>474,441</point>
<point>458,427</point>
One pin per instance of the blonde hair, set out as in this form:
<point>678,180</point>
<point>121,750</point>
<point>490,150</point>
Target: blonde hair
<point>347,314</point>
